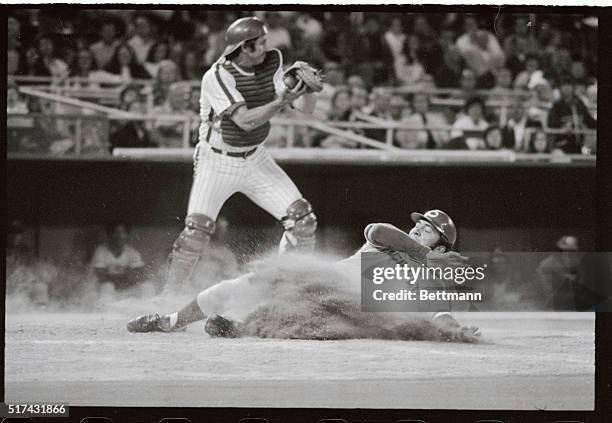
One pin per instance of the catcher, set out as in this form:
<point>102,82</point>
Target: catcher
<point>429,241</point>
<point>240,93</point>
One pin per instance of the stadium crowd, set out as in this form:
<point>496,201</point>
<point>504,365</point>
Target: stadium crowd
<point>523,82</point>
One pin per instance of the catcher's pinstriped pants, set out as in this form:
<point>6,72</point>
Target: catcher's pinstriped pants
<point>217,177</point>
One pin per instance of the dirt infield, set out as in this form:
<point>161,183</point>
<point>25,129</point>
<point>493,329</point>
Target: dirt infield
<point>527,361</point>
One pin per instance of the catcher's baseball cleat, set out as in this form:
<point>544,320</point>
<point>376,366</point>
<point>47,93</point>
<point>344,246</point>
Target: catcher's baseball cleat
<point>218,326</point>
<point>150,323</point>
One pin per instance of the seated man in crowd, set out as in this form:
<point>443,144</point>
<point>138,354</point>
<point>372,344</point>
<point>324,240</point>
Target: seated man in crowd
<point>424,119</point>
<point>169,133</point>
<point>116,262</point>
<point>518,125</point>
<point>571,115</point>
<point>467,133</point>
<point>132,133</point>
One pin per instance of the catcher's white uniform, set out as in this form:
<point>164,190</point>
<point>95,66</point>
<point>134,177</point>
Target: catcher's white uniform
<point>218,175</point>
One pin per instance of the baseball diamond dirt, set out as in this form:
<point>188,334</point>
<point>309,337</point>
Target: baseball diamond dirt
<point>526,361</point>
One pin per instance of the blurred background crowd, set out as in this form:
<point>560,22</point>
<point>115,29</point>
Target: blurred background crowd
<point>486,81</point>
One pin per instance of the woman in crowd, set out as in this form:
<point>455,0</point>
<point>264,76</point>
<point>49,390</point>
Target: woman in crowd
<point>125,65</point>
<point>191,69</point>
<point>160,51</point>
<point>539,142</point>
<point>32,64</point>
<point>167,74</point>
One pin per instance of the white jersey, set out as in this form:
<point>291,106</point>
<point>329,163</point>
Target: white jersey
<point>219,96</point>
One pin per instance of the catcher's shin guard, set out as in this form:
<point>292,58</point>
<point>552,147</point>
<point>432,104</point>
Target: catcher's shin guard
<point>300,227</point>
<point>187,249</point>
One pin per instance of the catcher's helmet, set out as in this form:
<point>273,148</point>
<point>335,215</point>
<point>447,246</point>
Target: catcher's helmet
<point>442,222</point>
<point>242,30</point>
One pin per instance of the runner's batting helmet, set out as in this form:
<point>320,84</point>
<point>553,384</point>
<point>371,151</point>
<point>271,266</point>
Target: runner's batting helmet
<point>242,30</point>
<point>442,222</point>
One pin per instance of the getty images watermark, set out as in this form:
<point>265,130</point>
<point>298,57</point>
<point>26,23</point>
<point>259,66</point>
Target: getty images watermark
<point>392,281</point>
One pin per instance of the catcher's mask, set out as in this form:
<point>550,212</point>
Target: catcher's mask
<point>442,222</point>
<point>242,30</point>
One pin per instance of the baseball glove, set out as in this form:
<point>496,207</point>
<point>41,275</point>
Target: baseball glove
<point>300,74</point>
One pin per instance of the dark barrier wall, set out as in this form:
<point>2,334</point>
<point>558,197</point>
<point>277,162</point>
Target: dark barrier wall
<point>519,207</point>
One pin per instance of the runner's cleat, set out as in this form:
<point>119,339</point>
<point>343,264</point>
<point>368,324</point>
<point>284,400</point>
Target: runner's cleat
<point>150,323</point>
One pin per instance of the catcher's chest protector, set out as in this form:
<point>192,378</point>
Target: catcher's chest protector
<point>257,88</point>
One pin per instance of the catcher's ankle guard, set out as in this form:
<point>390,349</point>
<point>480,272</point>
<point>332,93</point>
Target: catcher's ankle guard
<point>218,326</point>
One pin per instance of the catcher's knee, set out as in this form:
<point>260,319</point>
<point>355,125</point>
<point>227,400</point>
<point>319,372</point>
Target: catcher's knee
<point>195,236</point>
<point>301,223</point>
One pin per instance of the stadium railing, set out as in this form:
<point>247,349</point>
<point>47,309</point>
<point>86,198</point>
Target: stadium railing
<point>347,132</point>
<point>73,135</point>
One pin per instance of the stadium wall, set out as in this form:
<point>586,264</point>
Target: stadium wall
<point>66,203</point>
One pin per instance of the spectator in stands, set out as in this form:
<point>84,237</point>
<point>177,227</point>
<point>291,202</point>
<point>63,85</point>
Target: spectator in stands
<point>14,47</point>
<point>540,103</point>
<point>398,107</point>
<point>430,49</point>
<point>115,262</point>
<point>170,133</point>
<point>447,39</point>
<point>467,85</point>
<point>408,68</point>
<point>356,81</point>
<point>278,35</point>
<point>56,67</point>
<point>359,99</point>
<point>13,33</point>
<point>341,110</point>
<point>341,105</point>
<point>467,133</point>
<point>422,118</point>
<point>515,130</point>
<point>311,28</point>
<point>14,103</point>
<point>334,78</point>
<point>363,47</point>
<point>503,85</point>
<point>32,65</point>
<point>85,67</point>
<point>539,142</point>
<point>144,38</point>
<point>570,114</point>
<point>132,133</point>
<point>129,95</point>
<point>191,68</point>
<point>104,49</point>
<point>125,64</point>
<point>12,62</point>
<point>194,100</point>
<point>480,51</point>
<point>395,38</point>
<point>520,44</point>
<point>379,111</point>
<point>448,75</point>
<point>158,52</point>
<point>578,71</point>
<point>167,74</point>
<point>532,64</point>
<point>493,138</point>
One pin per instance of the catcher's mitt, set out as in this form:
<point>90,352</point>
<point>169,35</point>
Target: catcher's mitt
<point>300,74</point>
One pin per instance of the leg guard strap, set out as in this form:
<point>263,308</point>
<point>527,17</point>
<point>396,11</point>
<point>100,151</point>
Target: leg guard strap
<point>188,247</point>
<point>300,227</point>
